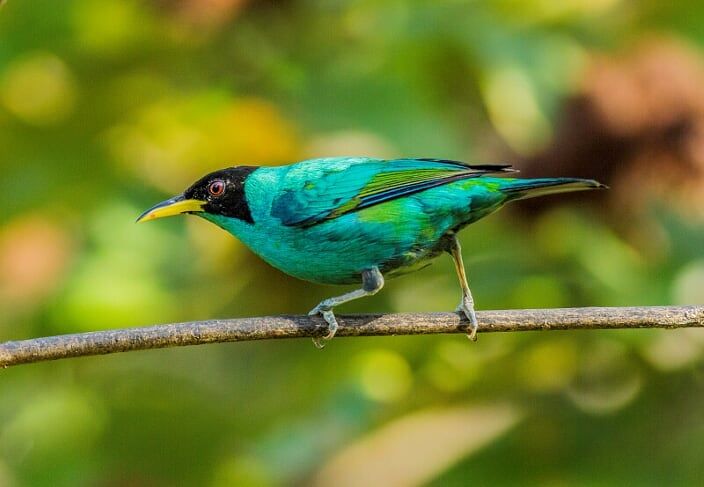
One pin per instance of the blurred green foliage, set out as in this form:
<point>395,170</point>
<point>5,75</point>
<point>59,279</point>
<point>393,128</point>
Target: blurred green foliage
<point>106,107</point>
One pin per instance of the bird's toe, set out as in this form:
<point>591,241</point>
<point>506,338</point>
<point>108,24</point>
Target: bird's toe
<point>331,321</point>
<point>468,312</point>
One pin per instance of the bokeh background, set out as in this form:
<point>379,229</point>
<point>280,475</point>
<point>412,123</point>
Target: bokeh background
<point>109,106</point>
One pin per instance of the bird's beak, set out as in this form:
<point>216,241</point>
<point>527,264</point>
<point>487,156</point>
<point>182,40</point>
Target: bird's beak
<point>175,206</point>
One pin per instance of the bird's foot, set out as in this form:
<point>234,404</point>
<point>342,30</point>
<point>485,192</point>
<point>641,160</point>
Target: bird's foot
<point>466,307</point>
<point>330,319</point>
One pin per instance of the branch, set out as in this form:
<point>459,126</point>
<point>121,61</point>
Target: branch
<point>244,329</point>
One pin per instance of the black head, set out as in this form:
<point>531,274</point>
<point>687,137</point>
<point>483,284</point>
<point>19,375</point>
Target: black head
<point>223,192</point>
<point>218,193</point>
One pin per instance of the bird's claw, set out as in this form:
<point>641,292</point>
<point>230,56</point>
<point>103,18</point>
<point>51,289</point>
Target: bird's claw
<point>330,319</point>
<point>467,309</point>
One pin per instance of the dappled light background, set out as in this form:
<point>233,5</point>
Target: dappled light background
<point>108,107</point>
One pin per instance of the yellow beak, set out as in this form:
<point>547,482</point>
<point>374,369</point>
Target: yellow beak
<point>175,206</point>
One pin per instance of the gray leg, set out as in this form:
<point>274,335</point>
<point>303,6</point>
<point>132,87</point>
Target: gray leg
<point>372,282</point>
<point>466,306</point>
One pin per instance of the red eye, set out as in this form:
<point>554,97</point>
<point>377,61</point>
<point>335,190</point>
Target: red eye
<point>216,188</point>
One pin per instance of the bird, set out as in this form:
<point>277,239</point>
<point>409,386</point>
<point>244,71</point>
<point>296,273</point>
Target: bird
<point>358,220</point>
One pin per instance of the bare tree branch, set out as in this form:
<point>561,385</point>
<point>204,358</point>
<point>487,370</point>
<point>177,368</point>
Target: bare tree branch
<point>244,329</point>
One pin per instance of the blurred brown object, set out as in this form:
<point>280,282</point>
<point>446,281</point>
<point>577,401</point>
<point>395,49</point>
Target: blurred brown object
<point>34,255</point>
<point>203,13</point>
<point>636,124</point>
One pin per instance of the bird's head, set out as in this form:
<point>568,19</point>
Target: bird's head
<point>219,193</point>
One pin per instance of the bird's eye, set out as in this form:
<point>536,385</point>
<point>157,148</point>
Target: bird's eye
<point>216,188</point>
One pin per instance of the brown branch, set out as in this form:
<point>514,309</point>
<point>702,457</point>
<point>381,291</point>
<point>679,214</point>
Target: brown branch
<point>244,329</point>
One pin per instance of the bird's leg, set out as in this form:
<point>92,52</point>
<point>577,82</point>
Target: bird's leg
<point>466,306</point>
<point>372,282</point>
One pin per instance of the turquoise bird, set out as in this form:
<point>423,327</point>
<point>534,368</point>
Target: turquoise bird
<point>357,220</point>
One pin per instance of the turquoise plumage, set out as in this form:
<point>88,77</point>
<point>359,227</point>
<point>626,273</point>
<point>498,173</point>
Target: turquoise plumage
<point>357,220</point>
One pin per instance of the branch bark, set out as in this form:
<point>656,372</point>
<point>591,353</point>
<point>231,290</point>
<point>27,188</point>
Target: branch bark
<point>244,329</point>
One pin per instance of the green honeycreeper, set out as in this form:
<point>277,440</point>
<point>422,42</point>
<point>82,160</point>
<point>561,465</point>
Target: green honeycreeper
<point>347,220</point>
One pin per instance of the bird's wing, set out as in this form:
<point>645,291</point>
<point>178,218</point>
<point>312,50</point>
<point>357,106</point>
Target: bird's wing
<point>323,193</point>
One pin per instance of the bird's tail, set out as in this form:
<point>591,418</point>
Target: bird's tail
<point>519,189</point>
